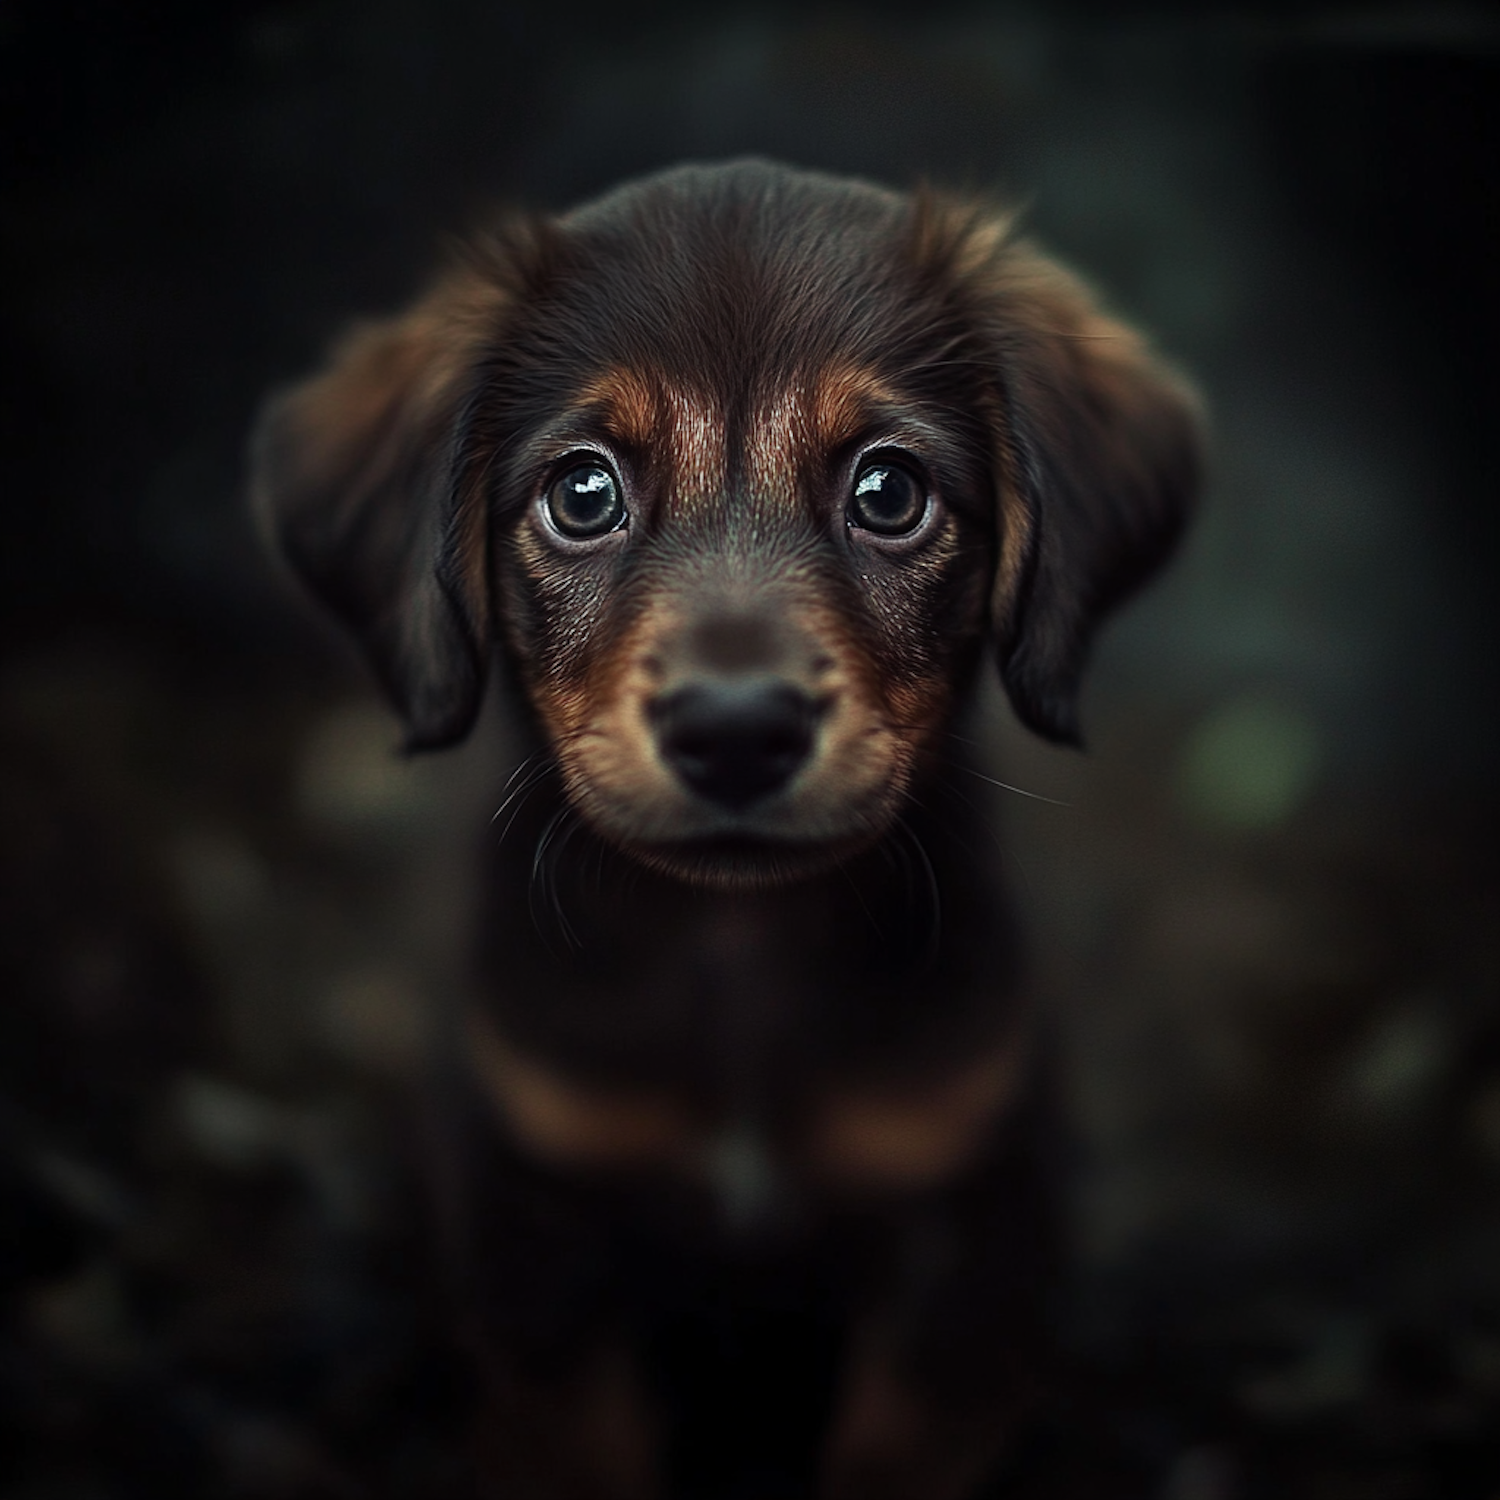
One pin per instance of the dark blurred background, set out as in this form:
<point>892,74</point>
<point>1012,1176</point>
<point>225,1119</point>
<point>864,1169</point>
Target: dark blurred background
<point>1268,914</point>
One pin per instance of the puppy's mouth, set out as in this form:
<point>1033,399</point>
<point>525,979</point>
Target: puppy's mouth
<point>776,840</point>
<point>746,861</point>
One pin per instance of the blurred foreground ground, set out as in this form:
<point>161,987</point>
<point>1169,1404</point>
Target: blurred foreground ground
<point>232,912</point>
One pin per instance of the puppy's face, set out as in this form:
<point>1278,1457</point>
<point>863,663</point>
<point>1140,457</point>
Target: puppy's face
<point>741,466</point>
<point>742,608</point>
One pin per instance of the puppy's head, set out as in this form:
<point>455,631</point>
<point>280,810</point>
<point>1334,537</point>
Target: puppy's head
<point>741,467</point>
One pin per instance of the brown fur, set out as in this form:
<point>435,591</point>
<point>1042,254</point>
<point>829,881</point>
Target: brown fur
<point>865,1136</point>
<point>735,1032</point>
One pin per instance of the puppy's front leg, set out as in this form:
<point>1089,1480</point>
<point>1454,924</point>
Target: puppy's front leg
<point>563,1411</point>
<point>952,1361</point>
<point>585,1434</point>
<point>896,1439</point>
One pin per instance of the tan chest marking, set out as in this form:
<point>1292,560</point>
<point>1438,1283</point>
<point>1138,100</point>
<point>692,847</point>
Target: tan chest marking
<point>575,1124</point>
<point>907,1136</point>
<point>888,1137</point>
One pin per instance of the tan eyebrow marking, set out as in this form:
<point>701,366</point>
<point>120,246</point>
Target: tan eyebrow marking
<point>842,401</point>
<point>645,411</point>
<point>630,404</point>
<point>810,418</point>
<point>698,445</point>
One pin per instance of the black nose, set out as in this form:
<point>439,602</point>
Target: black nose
<point>735,742</point>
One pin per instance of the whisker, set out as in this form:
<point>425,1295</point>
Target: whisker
<point>934,894</point>
<point>958,765</point>
<point>521,765</point>
<point>600,851</point>
<point>529,766</point>
<point>1006,786</point>
<point>520,796</point>
<point>549,881</point>
<point>544,840</point>
<point>859,895</point>
<point>1006,853</point>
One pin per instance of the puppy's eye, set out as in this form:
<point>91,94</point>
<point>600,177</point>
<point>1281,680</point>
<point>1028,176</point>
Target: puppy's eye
<point>888,499</point>
<point>586,501</point>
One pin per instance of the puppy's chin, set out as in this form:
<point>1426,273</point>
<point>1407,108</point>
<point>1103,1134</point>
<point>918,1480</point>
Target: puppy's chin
<point>746,863</point>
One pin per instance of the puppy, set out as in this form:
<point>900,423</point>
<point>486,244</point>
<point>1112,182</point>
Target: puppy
<point>739,474</point>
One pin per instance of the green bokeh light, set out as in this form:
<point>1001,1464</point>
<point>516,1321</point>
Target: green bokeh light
<point>1249,765</point>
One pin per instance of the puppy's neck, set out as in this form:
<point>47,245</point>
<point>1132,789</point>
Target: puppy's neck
<point>743,1009</point>
<point>574,925</point>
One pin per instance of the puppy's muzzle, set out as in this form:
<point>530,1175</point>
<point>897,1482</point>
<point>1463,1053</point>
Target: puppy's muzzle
<point>737,741</point>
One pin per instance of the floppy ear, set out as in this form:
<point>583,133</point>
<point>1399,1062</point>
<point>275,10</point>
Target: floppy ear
<point>1103,450</point>
<point>356,474</point>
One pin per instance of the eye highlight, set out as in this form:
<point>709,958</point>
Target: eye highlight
<point>888,499</point>
<point>585,501</point>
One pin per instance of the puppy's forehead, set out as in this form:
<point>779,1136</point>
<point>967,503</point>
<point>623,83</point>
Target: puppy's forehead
<point>738,327</point>
<point>730,282</point>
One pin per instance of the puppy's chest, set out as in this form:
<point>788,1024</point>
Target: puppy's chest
<point>757,1071</point>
